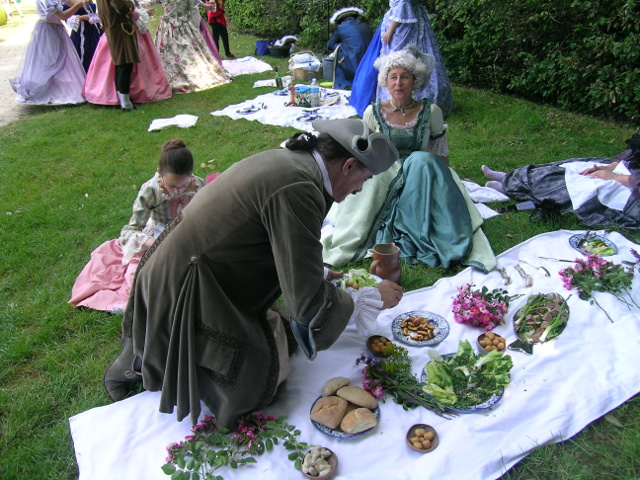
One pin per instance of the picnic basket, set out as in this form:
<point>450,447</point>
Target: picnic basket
<point>306,71</point>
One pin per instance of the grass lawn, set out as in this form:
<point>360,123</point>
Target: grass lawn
<point>69,177</point>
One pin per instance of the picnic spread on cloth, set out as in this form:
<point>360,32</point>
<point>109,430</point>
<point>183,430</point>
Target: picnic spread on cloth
<point>567,383</point>
<point>272,109</point>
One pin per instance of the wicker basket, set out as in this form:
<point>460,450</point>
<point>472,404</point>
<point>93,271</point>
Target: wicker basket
<point>304,74</point>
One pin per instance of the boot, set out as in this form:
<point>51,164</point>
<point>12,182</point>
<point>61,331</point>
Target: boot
<point>124,371</point>
<point>125,101</point>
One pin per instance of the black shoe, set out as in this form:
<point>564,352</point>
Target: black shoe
<point>122,373</point>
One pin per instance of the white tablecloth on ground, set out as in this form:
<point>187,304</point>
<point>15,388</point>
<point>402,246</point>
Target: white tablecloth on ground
<point>273,110</point>
<point>566,384</point>
<point>245,65</point>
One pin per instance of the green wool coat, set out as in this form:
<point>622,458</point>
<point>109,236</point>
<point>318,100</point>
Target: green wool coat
<point>197,310</point>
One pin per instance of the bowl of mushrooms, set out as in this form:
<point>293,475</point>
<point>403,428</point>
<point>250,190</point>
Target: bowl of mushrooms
<point>422,438</point>
<point>319,462</point>
<point>490,341</point>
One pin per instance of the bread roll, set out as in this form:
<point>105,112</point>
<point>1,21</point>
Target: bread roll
<point>332,385</point>
<point>329,411</point>
<point>358,420</point>
<point>357,395</point>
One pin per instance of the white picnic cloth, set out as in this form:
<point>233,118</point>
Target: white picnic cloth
<point>590,369</point>
<point>478,193</point>
<point>582,188</point>
<point>183,121</point>
<point>271,109</point>
<point>245,65</point>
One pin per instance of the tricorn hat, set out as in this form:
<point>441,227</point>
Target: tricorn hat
<point>341,14</point>
<point>374,150</point>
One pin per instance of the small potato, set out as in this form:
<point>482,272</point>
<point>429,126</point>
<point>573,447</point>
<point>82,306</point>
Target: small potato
<point>501,346</point>
<point>495,341</point>
<point>417,444</point>
<point>490,335</point>
<point>420,432</point>
<point>426,444</point>
<point>415,439</point>
<point>428,436</point>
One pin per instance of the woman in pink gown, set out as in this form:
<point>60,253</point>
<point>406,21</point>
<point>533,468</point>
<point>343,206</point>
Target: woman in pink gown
<point>148,80</point>
<point>105,282</point>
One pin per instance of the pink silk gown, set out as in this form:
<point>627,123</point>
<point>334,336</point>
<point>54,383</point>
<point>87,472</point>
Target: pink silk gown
<point>148,80</point>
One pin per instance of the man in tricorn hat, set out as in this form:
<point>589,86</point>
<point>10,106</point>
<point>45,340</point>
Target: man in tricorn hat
<point>352,37</point>
<point>203,322</point>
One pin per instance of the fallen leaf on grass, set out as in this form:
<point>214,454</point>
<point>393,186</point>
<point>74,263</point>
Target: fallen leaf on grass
<point>613,421</point>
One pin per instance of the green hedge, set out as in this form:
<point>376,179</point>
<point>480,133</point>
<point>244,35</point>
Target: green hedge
<point>580,55</point>
<point>306,19</point>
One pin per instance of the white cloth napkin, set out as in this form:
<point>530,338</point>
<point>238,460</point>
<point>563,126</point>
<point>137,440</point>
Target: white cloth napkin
<point>183,121</point>
<point>582,188</point>
<point>564,386</point>
<point>483,194</point>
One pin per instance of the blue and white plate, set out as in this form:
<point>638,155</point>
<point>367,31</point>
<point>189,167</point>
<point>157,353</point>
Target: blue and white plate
<point>248,110</point>
<point>339,434</point>
<point>575,239</point>
<point>489,403</point>
<point>441,329</point>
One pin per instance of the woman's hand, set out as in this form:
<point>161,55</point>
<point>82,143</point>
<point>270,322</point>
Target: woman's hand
<point>386,38</point>
<point>390,293</point>
<point>605,172</point>
<point>608,168</point>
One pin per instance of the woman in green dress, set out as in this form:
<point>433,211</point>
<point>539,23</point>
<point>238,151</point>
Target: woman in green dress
<point>419,203</point>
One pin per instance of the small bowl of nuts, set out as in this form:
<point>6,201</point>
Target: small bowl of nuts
<point>319,462</point>
<point>422,438</point>
<point>488,342</point>
<point>378,344</point>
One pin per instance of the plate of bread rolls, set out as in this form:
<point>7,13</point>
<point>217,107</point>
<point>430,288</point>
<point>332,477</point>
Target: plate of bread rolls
<point>344,411</point>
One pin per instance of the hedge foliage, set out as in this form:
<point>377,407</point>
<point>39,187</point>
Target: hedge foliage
<point>582,55</point>
<point>306,19</point>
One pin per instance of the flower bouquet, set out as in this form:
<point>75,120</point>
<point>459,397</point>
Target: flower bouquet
<point>598,275</point>
<point>208,448</point>
<point>481,308</point>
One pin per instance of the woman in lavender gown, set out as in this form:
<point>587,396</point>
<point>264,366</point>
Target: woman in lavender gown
<point>50,72</point>
<point>405,23</point>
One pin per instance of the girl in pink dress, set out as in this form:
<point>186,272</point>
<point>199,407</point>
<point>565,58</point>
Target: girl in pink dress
<point>148,80</point>
<point>105,282</point>
<point>50,72</point>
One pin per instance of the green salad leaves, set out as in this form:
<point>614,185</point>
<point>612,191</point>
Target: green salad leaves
<point>597,247</point>
<point>356,279</point>
<point>467,379</point>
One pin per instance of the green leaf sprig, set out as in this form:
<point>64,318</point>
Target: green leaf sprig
<point>208,448</point>
<point>393,375</point>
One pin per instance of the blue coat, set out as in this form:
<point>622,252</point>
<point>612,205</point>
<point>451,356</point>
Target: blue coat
<point>353,36</point>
